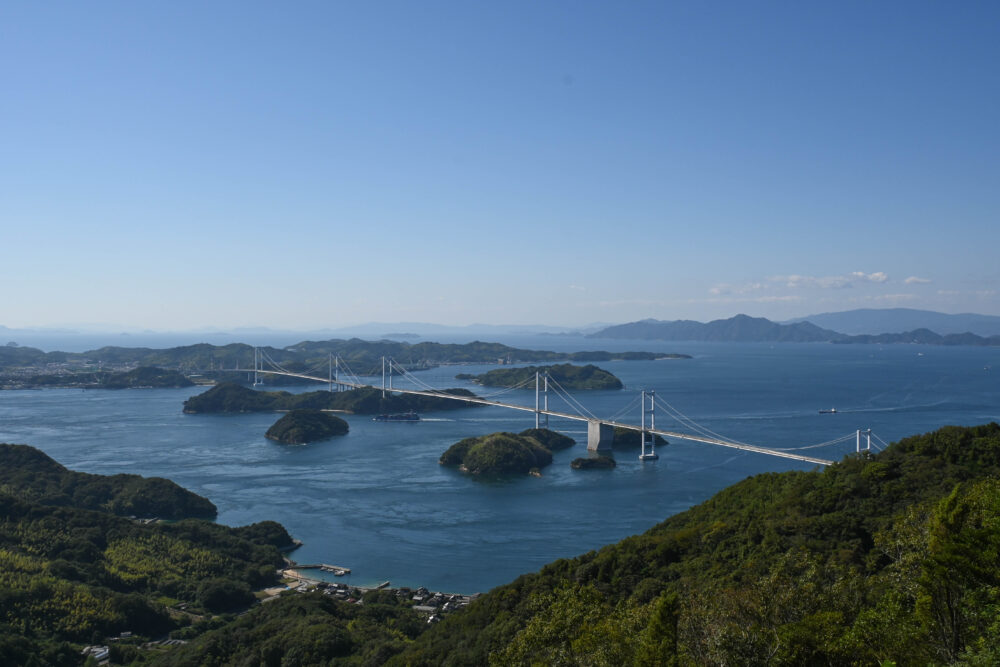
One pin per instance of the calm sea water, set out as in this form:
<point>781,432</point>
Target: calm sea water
<point>377,501</point>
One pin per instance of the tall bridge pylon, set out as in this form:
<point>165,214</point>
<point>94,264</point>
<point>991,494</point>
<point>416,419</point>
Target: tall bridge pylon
<point>545,397</point>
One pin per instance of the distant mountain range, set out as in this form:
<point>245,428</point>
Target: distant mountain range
<point>886,320</point>
<point>743,328</point>
<point>735,329</point>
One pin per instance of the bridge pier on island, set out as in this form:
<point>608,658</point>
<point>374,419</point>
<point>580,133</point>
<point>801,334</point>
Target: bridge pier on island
<point>599,436</point>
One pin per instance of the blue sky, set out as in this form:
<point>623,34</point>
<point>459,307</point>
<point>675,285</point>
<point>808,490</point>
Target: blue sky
<point>321,164</point>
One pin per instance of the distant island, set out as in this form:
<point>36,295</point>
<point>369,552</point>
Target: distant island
<point>740,328</point>
<point>28,367</point>
<point>232,397</point>
<point>502,453</point>
<point>567,375</point>
<point>143,377</point>
<point>745,329</point>
<point>300,427</point>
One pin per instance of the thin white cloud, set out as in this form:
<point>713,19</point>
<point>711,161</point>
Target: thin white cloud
<point>578,288</point>
<point>796,281</point>
<point>914,280</point>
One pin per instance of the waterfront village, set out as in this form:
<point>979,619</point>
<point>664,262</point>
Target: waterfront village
<point>433,604</point>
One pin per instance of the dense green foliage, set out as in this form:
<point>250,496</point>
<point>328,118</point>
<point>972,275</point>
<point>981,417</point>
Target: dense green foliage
<point>498,454</point>
<point>549,439</point>
<point>299,427</point>
<point>231,397</point>
<point>596,462</point>
<point>74,575</point>
<point>567,375</point>
<point>885,557</point>
<point>306,630</point>
<point>29,474</point>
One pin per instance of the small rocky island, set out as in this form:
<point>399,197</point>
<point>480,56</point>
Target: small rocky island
<point>300,427</point>
<point>596,463</point>
<point>568,376</point>
<point>504,453</point>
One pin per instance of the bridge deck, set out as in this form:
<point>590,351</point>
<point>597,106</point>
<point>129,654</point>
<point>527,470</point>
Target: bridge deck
<point>566,415</point>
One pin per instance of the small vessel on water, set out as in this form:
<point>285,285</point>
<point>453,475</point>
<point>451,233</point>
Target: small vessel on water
<point>398,417</point>
<point>831,411</point>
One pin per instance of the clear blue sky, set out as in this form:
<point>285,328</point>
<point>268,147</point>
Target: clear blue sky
<point>316,164</point>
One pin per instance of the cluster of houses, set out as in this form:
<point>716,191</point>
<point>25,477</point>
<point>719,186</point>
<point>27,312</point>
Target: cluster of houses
<point>431,603</point>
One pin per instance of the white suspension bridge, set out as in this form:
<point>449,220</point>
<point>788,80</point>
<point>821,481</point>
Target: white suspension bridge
<point>600,431</point>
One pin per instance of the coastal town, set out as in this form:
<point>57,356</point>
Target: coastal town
<point>433,604</point>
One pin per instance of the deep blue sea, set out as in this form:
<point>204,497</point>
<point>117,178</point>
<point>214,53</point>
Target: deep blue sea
<point>377,501</point>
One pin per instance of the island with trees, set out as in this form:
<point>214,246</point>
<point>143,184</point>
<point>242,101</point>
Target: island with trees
<point>568,376</point>
<point>300,427</point>
<point>27,367</point>
<point>593,463</point>
<point>230,397</point>
<point>500,453</point>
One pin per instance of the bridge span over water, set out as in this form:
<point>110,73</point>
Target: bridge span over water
<point>599,430</point>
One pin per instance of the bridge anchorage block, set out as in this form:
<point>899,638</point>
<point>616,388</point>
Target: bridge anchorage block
<point>599,436</point>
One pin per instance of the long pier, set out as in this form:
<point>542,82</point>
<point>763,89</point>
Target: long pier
<point>566,415</point>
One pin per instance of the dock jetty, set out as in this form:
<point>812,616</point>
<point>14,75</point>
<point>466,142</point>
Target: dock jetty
<point>325,567</point>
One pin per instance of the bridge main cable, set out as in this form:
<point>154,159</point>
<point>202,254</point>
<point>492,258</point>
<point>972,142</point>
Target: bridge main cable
<point>575,417</point>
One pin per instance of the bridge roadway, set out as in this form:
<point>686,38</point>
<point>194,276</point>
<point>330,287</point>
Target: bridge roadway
<point>566,415</point>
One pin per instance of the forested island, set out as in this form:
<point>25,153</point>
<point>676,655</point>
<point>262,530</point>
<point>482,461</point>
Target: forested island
<point>887,557</point>
<point>504,453</point>
<point>300,427</point>
<point>231,397</point>
<point>593,463</point>
<point>567,375</point>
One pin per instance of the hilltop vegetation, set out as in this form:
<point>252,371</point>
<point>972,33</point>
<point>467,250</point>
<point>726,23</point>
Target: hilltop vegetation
<point>884,557</point>
<point>887,557</point>
<point>70,575</point>
<point>567,375</point>
<point>501,453</point>
<point>299,427</point>
<point>231,397</point>
<point>30,475</point>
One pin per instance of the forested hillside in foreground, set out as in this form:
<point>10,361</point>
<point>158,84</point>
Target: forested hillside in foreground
<point>886,559</point>
<point>892,557</point>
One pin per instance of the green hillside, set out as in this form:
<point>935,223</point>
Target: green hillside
<point>888,557</point>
